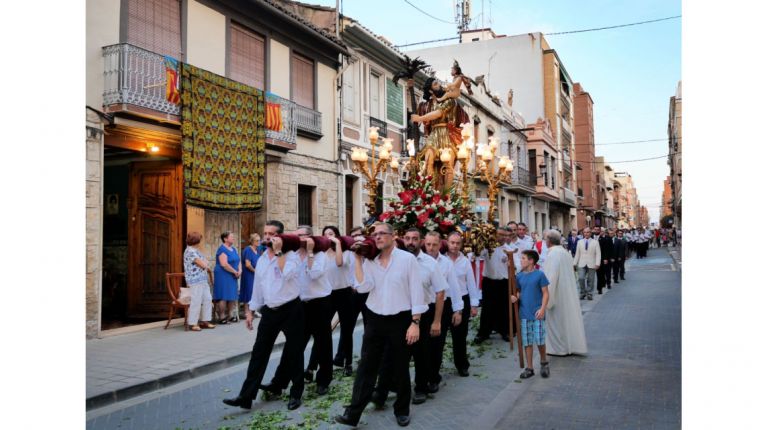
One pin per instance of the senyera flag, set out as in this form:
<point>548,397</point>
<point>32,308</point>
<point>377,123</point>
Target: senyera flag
<point>172,93</point>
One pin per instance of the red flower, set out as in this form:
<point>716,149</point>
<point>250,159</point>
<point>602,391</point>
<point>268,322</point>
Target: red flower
<point>436,198</point>
<point>445,225</point>
<point>422,218</point>
<point>406,196</point>
<point>385,216</point>
<point>441,209</point>
<point>399,212</point>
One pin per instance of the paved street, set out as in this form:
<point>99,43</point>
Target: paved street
<point>631,379</point>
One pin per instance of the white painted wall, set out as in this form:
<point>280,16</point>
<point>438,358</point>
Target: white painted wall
<point>517,65</point>
<point>206,38</point>
<point>327,104</point>
<point>102,24</point>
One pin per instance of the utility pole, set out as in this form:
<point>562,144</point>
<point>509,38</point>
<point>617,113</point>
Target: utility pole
<point>463,12</point>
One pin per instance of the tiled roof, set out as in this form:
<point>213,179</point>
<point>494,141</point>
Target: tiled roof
<point>279,6</point>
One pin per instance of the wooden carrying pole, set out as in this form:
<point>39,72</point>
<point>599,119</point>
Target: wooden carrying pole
<point>512,291</point>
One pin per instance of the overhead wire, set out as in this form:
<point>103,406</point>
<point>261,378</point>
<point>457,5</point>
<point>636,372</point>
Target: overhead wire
<point>428,14</point>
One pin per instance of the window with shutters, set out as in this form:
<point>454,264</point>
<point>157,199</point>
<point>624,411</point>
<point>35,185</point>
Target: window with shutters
<point>375,96</point>
<point>246,57</point>
<point>155,25</point>
<point>302,80</point>
<point>351,94</point>
<point>306,204</point>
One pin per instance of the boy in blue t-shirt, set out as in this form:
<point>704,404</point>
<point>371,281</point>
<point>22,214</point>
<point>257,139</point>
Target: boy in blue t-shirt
<point>533,295</point>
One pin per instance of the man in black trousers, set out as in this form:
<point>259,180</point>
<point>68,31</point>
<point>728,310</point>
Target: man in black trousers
<point>276,297</point>
<point>394,307</point>
<point>495,313</point>
<point>606,254</point>
<point>620,251</point>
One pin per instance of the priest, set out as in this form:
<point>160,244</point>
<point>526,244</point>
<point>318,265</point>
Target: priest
<point>565,326</point>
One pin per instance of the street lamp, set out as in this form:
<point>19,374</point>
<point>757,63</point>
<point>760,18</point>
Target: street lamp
<point>493,174</point>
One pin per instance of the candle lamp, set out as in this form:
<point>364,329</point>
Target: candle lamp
<point>371,170</point>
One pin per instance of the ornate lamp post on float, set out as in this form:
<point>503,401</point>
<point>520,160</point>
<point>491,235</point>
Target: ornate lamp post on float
<point>372,170</point>
<point>493,172</point>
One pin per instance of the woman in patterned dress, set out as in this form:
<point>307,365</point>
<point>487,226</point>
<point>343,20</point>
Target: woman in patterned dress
<point>225,277</point>
<point>196,274</point>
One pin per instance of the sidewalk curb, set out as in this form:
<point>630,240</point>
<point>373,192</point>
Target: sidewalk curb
<point>122,394</point>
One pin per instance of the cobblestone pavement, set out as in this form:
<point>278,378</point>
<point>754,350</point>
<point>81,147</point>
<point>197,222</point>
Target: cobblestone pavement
<point>631,379</point>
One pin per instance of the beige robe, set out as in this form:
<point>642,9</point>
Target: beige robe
<point>565,326</point>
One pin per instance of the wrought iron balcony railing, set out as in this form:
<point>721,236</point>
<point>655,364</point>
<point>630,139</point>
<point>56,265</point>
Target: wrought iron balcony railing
<point>288,112</point>
<point>136,77</point>
<point>309,122</point>
<point>523,177</point>
<point>568,196</point>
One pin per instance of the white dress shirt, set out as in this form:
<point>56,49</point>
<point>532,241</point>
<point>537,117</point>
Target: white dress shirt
<point>465,276</point>
<point>496,265</point>
<point>454,291</point>
<point>432,279</point>
<point>526,242</point>
<point>271,286</point>
<point>349,263</point>
<point>313,284</point>
<point>395,288</point>
<point>336,275</point>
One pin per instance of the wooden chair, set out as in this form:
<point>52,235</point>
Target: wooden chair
<point>173,282</point>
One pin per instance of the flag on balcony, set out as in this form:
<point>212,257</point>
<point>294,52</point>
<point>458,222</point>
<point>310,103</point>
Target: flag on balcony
<point>274,116</point>
<point>172,93</point>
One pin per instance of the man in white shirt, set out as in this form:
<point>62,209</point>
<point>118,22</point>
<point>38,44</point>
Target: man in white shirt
<point>587,261</point>
<point>451,316</point>
<point>315,294</point>
<point>523,239</point>
<point>348,317</point>
<point>435,287</point>
<point>495,314</point>
<point>395,305</point>
<point>276,296</point>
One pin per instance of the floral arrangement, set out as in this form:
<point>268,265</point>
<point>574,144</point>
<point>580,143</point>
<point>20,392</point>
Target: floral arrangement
<point>421,205</point>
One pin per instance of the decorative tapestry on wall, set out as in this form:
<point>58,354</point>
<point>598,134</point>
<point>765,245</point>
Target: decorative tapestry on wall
<point>222,127</point>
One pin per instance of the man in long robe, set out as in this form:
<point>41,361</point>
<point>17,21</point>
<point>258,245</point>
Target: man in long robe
<point>565,326</point>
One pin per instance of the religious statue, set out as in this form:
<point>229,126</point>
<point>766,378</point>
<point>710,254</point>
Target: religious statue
<point>442,117</point>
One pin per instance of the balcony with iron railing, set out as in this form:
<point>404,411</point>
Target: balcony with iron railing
<point>375,122</point>
<point>134,80</point>
<point>567,196</point>
<point>567,162</point>
<point>287,134</point>
<point>521,181</point>
<point>309,122</point>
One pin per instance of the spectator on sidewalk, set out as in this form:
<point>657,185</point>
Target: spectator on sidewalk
<point>587,261</point>
<point>250,257</point>
<point>196,274</point>
<point>225,276</point>
<point>564,324</point>
<point>276,296</point>
<point>620,248</point>
<point>534,296</point>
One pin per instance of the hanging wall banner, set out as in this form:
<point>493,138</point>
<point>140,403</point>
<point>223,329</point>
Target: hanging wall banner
<point>222,125</point>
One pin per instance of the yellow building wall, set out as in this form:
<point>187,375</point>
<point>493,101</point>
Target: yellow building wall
<point>102,23</point>
<point>325,148</point>
<point>206,38</point>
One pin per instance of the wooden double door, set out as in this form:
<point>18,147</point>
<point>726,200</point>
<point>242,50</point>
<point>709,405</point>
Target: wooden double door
<point>155,232</point>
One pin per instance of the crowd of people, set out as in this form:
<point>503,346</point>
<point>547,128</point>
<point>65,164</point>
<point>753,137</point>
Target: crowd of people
<point>410,299</point>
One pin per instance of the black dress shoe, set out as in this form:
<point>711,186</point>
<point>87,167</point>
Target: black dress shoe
<point>347,420</point>
<point>464,372</point>
<point>272,389</point>
<point>479,339</point>
<point>419,398</point>
<point>348,370</point>
<point>433,387</point>
<point>238,401</point>
<point>309,375</point>
<point>294,403</point>
<point>403,420</point>
<point>379,400</point>
<point>338,361</point>
<point>321,390</point>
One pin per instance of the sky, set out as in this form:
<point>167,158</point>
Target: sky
<point>629,72</point>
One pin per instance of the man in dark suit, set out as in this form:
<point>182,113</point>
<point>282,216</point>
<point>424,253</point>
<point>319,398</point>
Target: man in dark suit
<point>606,254</point>
<point>620,255</point>
<point>573,239</point>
